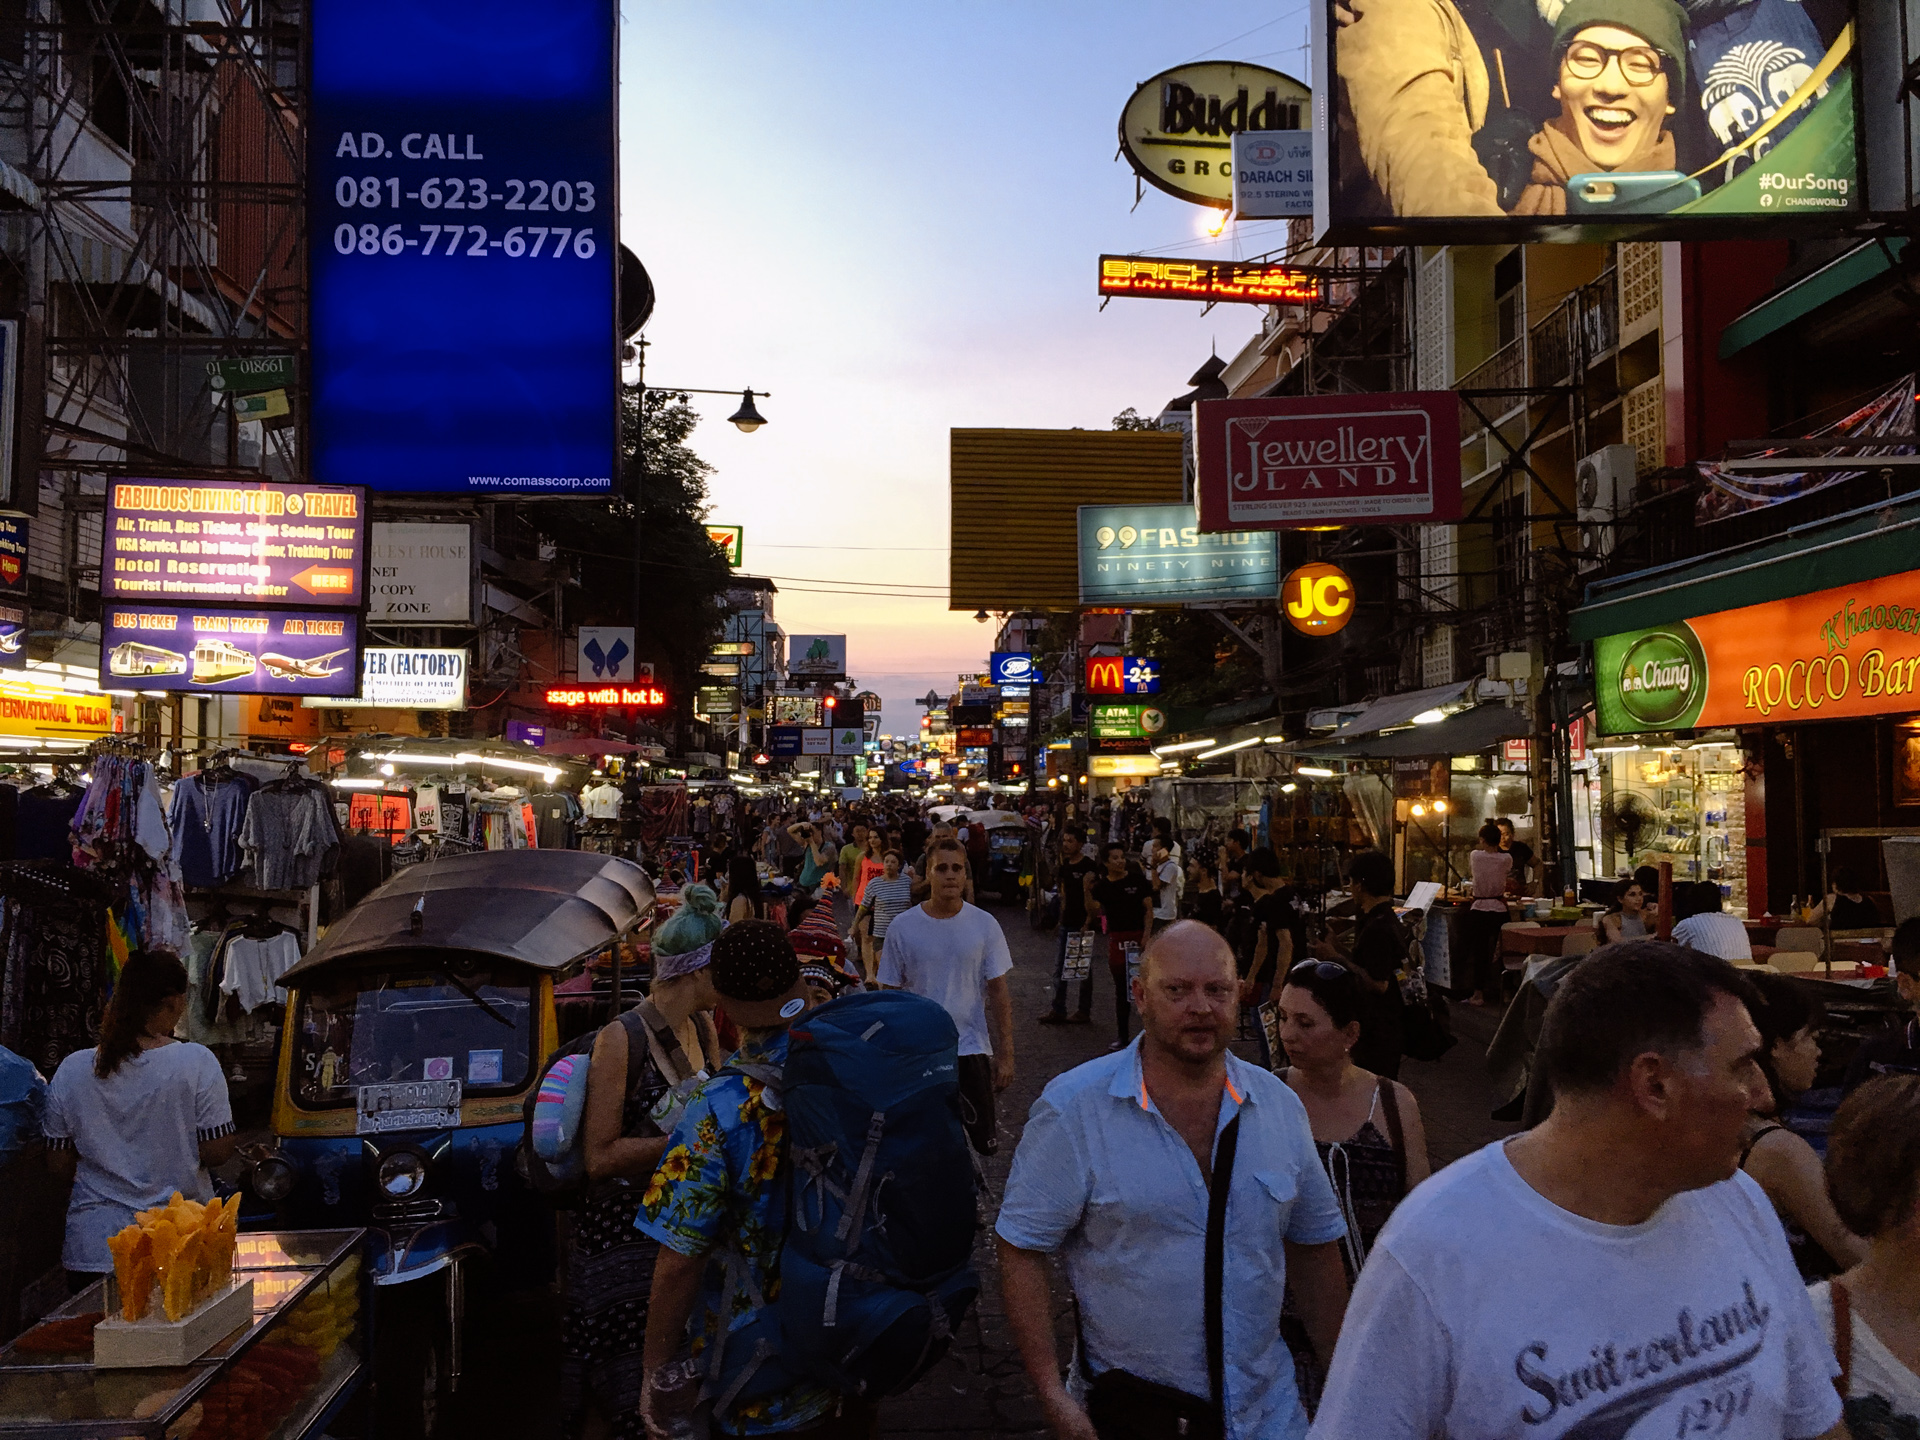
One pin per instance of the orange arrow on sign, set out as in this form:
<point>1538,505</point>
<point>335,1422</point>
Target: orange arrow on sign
<point>318,580</point>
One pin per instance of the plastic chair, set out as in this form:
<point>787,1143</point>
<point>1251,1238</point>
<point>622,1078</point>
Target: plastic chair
<point>1793,962</point>
<point>1800,937</point>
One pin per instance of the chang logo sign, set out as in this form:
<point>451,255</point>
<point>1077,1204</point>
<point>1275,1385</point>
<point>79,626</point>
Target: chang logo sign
<point>1662,678</point>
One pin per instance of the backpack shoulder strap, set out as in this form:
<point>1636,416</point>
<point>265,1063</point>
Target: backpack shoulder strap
<point>668,1042</point>
<point>1842,1336</point>
<point>1390,1110</point>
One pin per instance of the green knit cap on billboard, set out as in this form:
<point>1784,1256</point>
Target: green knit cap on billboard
<point>1650,679</point>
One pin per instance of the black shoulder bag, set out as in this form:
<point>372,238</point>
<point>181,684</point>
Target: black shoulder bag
<point>1122,1406</point>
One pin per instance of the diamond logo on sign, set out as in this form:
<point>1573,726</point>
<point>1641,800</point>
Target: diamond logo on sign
<point>606,654</point>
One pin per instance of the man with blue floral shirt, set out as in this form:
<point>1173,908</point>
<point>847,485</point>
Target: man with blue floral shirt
<point>717,1204</point>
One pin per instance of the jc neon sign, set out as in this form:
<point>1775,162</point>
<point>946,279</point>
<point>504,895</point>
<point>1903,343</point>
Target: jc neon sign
<point>1318,599</point>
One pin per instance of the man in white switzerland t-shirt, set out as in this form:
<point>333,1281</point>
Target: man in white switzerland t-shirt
<point>1612,1274</point>
<point>956,955</point>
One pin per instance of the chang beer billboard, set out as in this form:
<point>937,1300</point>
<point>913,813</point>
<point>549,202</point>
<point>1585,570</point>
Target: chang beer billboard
<point>1845,653</point>
<point>1650,679</point>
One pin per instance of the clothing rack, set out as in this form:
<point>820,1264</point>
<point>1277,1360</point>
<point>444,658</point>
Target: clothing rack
<point>122,745</point>
<point>49,884</point>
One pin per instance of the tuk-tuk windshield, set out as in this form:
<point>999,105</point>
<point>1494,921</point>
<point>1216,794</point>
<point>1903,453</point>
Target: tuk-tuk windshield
<point>369,1027</point>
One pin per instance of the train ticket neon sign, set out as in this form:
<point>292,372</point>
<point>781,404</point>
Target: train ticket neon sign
<point>1256,283</point>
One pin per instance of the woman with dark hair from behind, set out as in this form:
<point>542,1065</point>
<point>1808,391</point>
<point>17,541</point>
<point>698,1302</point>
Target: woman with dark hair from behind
<point>1846,903</point>
<point>1871,1314</point>
<point>136,1118</point>
<point>742,896</point>
<point>1783,1163</point>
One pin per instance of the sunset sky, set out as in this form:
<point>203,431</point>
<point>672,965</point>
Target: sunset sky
<point>890,216</point>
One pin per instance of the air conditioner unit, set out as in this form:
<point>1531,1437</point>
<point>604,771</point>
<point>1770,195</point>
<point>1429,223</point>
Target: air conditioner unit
<point>1603,491</point>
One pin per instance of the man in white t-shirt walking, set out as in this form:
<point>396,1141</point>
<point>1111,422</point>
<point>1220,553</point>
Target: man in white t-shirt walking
<point>1167,886</point>
<point>1612,1274</point>
<point>955,954</point>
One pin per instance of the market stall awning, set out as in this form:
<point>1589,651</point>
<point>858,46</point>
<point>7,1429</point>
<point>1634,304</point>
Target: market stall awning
<point>1467,733</point>
<point>1809,293</point>
<point>1392,710</point>
<point>1864,544</point>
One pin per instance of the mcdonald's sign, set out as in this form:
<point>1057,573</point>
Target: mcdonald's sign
<point>1122,675</point>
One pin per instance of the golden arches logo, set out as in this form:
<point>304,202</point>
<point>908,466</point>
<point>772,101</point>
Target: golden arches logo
<point>1319,599</point>
<point>1106,675</point>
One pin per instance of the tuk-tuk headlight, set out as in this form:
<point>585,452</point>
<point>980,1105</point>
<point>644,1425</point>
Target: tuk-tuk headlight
<point>271,1178</point>
<point>401,1174</point>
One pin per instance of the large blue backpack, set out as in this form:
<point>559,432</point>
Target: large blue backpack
<point>876,1270</point>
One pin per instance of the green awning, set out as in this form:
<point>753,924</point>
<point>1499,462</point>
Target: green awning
<point>1809,293</point>
<point>1865,544</point>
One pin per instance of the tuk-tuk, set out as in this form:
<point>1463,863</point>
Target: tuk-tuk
<point>414,1032</point>
<point>1007,839</point>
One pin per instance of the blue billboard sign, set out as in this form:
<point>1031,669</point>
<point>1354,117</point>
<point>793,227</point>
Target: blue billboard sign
<point>783,740</point>
<point>462,246</point>
<point>1014,667</point>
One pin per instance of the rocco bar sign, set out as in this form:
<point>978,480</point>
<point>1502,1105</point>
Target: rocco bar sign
<point>1284,461</point>
<point>1835,654</point>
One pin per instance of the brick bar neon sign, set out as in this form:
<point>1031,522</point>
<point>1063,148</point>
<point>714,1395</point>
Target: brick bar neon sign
<point>1257,282</point>
<point>573,696</point>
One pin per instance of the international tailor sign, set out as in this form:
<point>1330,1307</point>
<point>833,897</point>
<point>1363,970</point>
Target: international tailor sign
<point>234,541</point>
<point>1251,282</point>
<point>1835,654</point>
<point>1122,675</point>
<point>253,652</point>
<point>640,697</point>
<point>49,714</point>
<point>1318,598</point>
<point>1281,461</point>
<point>1158,555</point>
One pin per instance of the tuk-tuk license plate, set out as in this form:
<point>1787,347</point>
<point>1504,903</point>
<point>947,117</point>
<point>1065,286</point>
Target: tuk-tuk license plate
<point>407,1105</point>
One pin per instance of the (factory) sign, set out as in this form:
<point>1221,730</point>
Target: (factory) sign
<point>401,679</point>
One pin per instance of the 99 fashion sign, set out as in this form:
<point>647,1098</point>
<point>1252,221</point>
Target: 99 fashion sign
<point>1835,654</point>
<point>462,250</point>
<point>1617,119</point>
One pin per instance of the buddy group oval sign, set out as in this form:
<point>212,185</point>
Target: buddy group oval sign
<point>1177,131</point>
<point>1318,599</point>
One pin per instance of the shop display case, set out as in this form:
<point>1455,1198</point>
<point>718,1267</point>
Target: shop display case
<point>285,1376</point>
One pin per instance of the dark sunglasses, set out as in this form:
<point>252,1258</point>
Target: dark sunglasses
<point>1317,970</point>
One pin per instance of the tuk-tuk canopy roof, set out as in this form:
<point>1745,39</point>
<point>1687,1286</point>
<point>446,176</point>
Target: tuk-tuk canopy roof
<point>544,908</point>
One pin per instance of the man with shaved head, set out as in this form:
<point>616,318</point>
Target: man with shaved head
<point>1180,1188</point>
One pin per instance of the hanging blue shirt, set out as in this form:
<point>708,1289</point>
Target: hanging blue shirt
<point>206,828</point>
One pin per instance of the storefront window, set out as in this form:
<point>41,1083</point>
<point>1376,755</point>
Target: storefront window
<point>1641,802</point>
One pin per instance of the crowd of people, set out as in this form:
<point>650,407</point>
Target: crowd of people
<point>1256,1246</point>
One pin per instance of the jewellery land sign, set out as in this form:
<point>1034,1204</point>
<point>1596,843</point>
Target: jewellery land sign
<point>1158,555</point>
<point>420,574</point>
<point>1251,282</point>
<point>1835,654</point>
<point>1177,128</point>
<point>232,651</point>
<point>234,542</point>
<point>1644,123</point>
<point>406,680</point>
<point>1122,675</point>
<point>1286,461</point>
<point>462,255</point>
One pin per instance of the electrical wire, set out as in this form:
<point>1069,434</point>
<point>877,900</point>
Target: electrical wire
<point>1243,34</point>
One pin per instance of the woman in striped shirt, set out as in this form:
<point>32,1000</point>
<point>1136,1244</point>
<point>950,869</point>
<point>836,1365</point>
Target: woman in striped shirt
<point>887,895</point>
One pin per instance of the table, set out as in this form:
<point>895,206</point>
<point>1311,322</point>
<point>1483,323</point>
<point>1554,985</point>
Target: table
<point>1848,953</point>
<point>1535,939</point>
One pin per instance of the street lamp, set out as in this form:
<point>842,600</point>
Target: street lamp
<point>746,418</point>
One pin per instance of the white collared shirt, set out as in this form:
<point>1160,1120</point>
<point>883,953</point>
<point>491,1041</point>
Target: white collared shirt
<point>1104,1179</point>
